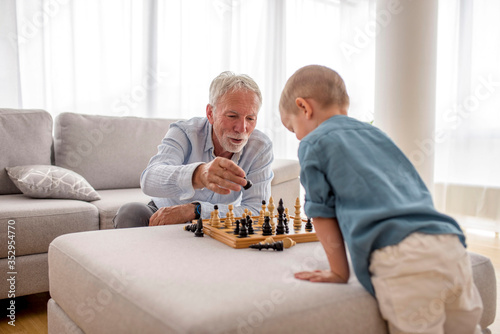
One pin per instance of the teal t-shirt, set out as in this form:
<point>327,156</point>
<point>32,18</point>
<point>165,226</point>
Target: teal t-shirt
<point>352,171</point>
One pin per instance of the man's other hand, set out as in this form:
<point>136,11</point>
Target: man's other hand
<point>176,214</point>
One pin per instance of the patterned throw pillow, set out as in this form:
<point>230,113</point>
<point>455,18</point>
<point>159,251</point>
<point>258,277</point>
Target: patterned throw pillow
<point>46,181</point>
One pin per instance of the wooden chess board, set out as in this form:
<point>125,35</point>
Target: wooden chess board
<point>227,236</point>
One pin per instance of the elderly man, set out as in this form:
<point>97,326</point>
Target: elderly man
<point>208,160</point>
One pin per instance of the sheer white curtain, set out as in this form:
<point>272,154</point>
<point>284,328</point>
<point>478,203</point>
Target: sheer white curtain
<point>467,162</point>
<point>157,58</point>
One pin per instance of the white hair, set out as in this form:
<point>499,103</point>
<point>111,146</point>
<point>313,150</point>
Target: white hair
<point>228,82</point>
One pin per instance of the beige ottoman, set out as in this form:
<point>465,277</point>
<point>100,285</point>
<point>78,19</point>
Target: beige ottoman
<point>164,280</point>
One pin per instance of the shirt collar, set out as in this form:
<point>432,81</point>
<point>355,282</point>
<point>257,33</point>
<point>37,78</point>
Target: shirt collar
<point>209,145</point>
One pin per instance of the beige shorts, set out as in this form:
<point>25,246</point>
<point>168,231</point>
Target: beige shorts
<point>424,285</point>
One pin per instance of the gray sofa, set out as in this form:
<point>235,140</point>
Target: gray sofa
<point>108,152</point>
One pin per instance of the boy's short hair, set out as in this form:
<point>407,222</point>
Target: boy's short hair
<point>317,82</point>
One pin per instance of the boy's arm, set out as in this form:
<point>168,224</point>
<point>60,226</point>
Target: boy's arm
<point>330,236</point>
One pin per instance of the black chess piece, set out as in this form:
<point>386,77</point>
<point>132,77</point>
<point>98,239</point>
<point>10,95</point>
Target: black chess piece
<point>280,207</point>
<point>248,185</point>
<point>237,229</point>
<point>199,228</point>
<point>267,229</point>
<point>285,222</point>
<point>309,225</point>
<point>190,227</point>
<point>250,225</point>
<point>277,246</point>
<point>280,228</point>
<point>243,230</point>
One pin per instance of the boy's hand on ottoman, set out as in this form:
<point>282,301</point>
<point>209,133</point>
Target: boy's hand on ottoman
<point>320,276</point>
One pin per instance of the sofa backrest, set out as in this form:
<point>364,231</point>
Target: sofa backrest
<point>25,139</point>
<point>109,152</point>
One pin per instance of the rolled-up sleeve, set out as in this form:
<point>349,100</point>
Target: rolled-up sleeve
<point>319,196</point>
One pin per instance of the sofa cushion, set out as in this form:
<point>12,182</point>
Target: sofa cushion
<point>163,280</point>
<point>112,199</point>
<point>109,152</point>
<point>45,181</point>
<point>26,137</point>
<point>32,275</point>
<point>38,221</point>
<point>484,277</point>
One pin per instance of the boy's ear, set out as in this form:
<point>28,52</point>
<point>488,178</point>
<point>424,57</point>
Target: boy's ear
<point>304,107</point>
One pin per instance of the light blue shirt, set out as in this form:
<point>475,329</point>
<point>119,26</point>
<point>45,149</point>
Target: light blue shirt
<point>188,144</point>
<point>352,171</point>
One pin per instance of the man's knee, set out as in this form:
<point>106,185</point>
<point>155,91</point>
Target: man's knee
<point>132,215</point>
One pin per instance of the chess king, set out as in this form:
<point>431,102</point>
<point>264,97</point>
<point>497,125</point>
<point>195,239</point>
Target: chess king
<point>207,160</point>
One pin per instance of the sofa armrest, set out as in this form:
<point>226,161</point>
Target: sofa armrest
<point>286,182</point>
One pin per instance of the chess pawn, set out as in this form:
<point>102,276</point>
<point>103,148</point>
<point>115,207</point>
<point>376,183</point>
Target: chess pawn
<point>237,229</point>
<point>309,225</point>
<point>216,219</point>
<point>287,242</point>
<point>297,222</point>
<point>231,213</point>
<point>261,218</point>
<point>243,230</point>
<point>227,222</point>
<point>199,228</point>
<point>266,227</point>
<point>263,209</point>
<point>249,225</point>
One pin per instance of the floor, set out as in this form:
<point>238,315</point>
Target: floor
<point>31,311</point>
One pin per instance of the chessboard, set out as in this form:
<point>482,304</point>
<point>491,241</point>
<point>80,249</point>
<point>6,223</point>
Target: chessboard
<point>223,229</point>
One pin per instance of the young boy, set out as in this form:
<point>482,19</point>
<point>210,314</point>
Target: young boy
<point>361,189</point>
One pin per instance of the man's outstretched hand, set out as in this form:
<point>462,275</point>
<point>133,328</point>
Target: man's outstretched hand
<point>176,214</point>
<point>220,175</point>
<point>326,276</point>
